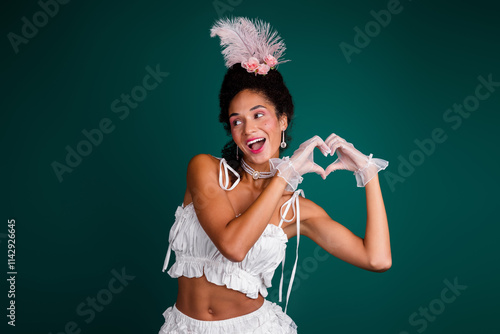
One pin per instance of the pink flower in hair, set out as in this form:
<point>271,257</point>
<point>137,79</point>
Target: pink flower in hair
<point>270,60</point>
<point>251,65</point>
<point>263,69</point>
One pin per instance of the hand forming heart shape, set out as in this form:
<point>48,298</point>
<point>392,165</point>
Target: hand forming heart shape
<point>349,158</point>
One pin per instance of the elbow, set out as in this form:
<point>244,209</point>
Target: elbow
<point>381,266</point>
<point>234,253</point>
<point>235,257</point>
<point>233,247</point>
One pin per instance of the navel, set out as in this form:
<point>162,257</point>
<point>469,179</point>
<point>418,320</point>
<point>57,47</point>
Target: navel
<point>210,311</point>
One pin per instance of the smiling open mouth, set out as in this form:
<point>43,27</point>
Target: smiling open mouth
<point>256,144</point>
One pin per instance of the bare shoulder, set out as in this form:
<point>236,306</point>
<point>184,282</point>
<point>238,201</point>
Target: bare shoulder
<point>201,170</point>
<point>200,164</point>
<point>202,160</point>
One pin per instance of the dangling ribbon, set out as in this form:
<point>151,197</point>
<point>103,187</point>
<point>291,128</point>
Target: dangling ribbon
<point>295,197</point>
<point>174,231</point>
<point>167,258</point>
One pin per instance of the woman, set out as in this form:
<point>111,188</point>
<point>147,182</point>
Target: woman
<point>231,231</point>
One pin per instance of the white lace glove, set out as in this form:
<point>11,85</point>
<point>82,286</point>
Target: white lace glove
<point>301,162</point>
<point>349,158</point>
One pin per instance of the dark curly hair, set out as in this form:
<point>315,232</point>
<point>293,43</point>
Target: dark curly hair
<point>270,85</point>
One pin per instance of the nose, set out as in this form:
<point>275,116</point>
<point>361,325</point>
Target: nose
<point>250,127</point>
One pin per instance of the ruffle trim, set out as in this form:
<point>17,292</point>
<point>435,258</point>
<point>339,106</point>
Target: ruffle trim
<point>368,172</point>
<point>269,319</point>
<point>216,272</point>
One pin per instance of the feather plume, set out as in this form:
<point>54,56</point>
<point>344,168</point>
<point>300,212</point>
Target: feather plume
<point>242,38</point>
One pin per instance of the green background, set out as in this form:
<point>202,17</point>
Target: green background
<point>115,209</point>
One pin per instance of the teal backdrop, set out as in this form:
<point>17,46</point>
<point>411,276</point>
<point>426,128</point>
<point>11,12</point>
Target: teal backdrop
<point>414,82</point>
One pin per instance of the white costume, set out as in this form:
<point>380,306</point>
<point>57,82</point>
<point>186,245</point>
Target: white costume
<point>196,255</point>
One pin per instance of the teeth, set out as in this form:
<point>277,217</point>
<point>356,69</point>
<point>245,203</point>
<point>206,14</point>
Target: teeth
<point>254,141</point>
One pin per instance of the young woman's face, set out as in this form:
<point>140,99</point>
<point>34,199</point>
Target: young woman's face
<point>254,126</point>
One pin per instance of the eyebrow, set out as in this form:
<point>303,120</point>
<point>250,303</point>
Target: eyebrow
<point>253,108</point>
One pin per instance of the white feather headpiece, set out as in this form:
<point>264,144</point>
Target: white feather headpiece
<point>252,43</point>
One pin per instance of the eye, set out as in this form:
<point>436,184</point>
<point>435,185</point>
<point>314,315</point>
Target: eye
<point>235,122</point>
<point>259,113</point>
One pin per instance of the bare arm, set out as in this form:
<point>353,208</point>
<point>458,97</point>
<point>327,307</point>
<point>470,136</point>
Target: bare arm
<point>377,241</point>
<point>233,236</point>
<point>371,253</point>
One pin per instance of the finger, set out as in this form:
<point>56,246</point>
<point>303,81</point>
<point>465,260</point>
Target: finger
<point>333,136</point>
<point>330,138</point>
<point>336,165</point>
<point>317,141</point>
<point>349,149</point>
<point>310,141</point>
<point>324,148</point>
<point>336,143</point>
<point>319,170</point>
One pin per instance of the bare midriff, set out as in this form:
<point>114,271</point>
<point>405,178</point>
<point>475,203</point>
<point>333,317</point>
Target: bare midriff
<point>202,300</point>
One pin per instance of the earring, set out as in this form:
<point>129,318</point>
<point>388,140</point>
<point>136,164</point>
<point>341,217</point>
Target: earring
<point>283,144</point>
<point>236,152</point>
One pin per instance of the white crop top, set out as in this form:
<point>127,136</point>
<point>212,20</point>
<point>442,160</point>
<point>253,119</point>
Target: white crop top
<point>196,254</point>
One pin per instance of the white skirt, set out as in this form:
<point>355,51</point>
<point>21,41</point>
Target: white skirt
<point>268,319</point>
